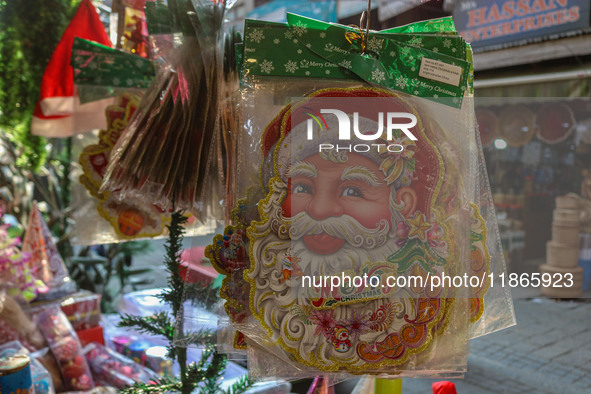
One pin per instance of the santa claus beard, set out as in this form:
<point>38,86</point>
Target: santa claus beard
<point>345,227</point>
<point>279,237</point>
<point>362,244</point>
<point>274,292</point>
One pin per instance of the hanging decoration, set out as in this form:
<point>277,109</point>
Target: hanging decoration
<point>319,202</point>
<point>59,112</point>
<point>164,153</point>
<point>130,218</point>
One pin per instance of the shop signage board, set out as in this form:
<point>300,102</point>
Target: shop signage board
<point>490,23</point>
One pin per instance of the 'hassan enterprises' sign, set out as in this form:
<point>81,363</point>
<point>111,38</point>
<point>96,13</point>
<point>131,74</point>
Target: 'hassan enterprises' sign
<point>494,22</point>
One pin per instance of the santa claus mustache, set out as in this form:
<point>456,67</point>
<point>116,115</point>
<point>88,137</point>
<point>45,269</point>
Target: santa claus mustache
<point>344,227</point>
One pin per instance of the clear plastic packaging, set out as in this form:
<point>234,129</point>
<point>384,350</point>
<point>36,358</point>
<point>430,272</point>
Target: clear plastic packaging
<point>112,369</point>
<point>349,325</point>
<point>165,153</point>
<point>325,199</point>
<point>15,325</point>
<point>15,273</point>
<point>65,346</point>
<point>108,217</point>
<point>42,382</point>
<point>228,255</point>
<point>494,302</point>
<point>83,310</point>
<point>45,262</point>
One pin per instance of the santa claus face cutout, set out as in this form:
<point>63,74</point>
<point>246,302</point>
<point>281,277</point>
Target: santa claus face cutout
<point>358,213</point>
<point>333,196</point>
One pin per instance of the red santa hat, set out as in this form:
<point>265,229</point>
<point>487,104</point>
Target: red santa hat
<point>58,112</point>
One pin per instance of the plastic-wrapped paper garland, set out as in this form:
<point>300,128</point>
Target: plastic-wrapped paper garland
<point>164,154</point>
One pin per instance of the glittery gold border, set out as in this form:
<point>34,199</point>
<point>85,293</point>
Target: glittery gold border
<point>445,305</point>
<point>482,230</point>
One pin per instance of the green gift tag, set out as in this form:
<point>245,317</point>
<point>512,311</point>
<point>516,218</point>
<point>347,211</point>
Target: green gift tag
<point>320,36</point>
<point>453,46</point>
<point>440,26</point>
<point>273,49</point>
<point>98,65</point>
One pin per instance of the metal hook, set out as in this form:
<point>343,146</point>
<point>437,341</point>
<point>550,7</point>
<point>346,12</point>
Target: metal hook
<point>362,20</point>
<point>367,20</point>
<point>363,25</point>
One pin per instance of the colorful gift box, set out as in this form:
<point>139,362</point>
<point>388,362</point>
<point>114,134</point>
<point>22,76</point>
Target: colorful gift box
<point>91,335</point>
<point>83,310</point>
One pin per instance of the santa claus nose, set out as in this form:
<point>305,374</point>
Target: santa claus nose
<point>323,206</point>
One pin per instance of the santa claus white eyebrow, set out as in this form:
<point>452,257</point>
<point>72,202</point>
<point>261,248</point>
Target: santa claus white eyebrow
<point>303,168</point>
<point>360,173</point>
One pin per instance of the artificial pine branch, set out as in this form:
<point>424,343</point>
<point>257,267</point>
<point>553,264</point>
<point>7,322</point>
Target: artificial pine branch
<point>243,384</point>
<point>195,374</point>
<point>200,295</point>
<point>161,324</point>
<point>173,247</point>
<point>159,387</point>
<point>216,367</point>
<point>157,324</point>
<point>205,374</point>
<point>174,295</point>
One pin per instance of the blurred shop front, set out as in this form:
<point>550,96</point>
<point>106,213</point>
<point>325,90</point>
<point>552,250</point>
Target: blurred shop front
<point>533,83</point>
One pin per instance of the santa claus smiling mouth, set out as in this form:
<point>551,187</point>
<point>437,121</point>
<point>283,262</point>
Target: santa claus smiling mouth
<point>323,243</point>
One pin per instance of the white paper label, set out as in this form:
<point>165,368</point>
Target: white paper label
<point>440,72</point>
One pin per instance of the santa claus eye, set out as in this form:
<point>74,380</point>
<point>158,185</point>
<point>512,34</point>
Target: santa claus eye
<point>351,191</point>
<point>301,188</point>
